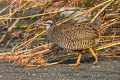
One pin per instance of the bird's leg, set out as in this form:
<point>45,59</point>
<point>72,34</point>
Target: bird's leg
<point>94,55</point>
<point>78,60</point>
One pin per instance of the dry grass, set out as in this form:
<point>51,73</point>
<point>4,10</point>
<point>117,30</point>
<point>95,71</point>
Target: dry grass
<point>19,24</point>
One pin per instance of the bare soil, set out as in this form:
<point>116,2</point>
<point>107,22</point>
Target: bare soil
<point>106,69</point>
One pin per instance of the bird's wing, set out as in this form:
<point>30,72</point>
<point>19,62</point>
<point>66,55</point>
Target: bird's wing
<point>78,32</point>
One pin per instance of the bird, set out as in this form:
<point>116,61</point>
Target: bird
<point>74,36</point>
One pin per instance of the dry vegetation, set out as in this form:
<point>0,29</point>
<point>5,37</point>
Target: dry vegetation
<point>21,32</point>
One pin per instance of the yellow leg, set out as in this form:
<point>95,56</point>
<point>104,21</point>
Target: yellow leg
<point>94,55</point>
<point>78,60</point>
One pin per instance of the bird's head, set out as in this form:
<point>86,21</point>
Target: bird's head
<point>48,24</point>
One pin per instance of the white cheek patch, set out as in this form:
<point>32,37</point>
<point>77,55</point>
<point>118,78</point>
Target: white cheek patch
<point>47,26</point>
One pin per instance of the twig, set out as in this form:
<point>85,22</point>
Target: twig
<point>30,40</point>
<point>101,11</point>
<point>108,45</point>
<point>83,13</point>
<point>9,29</point>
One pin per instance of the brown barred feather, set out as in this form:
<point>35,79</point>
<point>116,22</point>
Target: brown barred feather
<point>74,36</point>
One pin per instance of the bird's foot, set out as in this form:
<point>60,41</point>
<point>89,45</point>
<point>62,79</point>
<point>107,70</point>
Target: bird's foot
<point>76,64</point>
<point>95,62</point>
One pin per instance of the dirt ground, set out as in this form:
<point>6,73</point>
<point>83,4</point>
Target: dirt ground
<point>106,69</point>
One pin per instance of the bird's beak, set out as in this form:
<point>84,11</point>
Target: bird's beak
<point>42,23</point>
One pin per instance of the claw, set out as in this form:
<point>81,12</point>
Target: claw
<point>73,64</point>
